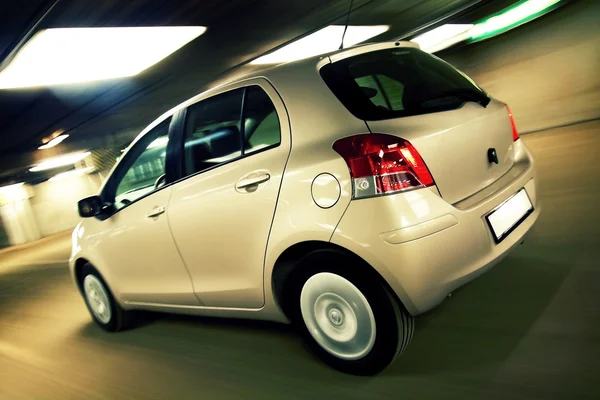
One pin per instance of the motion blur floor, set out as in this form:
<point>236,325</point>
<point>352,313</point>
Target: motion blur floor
<point>529,328</point>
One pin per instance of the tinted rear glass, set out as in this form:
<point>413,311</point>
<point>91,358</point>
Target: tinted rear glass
<point>399,82</point>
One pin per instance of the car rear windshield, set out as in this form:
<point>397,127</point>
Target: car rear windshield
<point>399,82</point>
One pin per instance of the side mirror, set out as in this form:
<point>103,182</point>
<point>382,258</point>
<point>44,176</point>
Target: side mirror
<point>90,206</point>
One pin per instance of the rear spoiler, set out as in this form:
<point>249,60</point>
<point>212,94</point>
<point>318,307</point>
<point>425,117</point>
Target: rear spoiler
<point>366,48</point>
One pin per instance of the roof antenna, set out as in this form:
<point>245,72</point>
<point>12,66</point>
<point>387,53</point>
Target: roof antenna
<point>346,27</point>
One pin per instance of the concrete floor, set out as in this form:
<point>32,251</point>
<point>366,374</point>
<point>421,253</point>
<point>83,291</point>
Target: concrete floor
<point>528,329</point>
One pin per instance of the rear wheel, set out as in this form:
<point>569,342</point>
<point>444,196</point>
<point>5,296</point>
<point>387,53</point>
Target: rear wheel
<point>100,302</point>
<point>348,317</point>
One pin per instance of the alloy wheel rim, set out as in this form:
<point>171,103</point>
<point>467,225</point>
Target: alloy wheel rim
<point>338,316</point>
<point>97,298</point>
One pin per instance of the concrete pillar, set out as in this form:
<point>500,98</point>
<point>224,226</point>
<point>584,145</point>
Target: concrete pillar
<point>17,215</point>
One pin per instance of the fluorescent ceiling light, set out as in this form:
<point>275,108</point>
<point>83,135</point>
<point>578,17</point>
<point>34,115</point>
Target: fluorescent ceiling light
<point>53,142</point>
<point>511,17</point>
<point>323,41</point>
<point>71,55</point>
<point>450,34</point>
<point>443,37</point>
<point>68,174</point>
<point>60,161</point>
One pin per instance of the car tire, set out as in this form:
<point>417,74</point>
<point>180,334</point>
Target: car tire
<point>101,303</point>
<point>347,315</point>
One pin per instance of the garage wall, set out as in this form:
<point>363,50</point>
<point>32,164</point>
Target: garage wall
<point>54,202</point>
<point>19,221</point>
<point>548,70</point>
<point>4,240</point>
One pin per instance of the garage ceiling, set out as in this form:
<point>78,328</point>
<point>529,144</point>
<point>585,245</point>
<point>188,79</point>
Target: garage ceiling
<point>109,114</point>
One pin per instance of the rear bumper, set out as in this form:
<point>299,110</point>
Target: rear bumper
<point>424,247</point>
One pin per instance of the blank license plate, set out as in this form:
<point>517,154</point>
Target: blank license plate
<point>508,215</point>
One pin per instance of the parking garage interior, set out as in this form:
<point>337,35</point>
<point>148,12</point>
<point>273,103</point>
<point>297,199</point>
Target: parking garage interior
<point>527,329</point>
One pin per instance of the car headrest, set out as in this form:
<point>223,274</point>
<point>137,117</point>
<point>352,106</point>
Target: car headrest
<point>224,141</point>
<point>369,92</point>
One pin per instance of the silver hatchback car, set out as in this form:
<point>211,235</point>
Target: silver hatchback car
<point>345,193</point>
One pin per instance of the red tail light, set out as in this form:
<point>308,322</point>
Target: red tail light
<point>512,124</point>
<point>382,164</point>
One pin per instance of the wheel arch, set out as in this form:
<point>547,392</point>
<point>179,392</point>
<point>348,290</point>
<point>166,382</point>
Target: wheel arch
<point>77,271</point>
<point>290,261</point>
<point>78,266</point>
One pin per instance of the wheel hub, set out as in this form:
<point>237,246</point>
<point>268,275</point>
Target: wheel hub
<point>338,316</point>
<point>97,298</point>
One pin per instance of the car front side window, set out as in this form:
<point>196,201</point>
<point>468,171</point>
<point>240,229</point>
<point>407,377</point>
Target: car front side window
<point>144,169</point>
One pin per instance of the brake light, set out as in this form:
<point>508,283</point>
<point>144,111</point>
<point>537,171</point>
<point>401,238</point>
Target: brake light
<point>512,124</point>
<point>382,164</point>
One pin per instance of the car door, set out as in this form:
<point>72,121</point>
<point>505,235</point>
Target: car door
<point>135,242</point>
<point>221,212</point>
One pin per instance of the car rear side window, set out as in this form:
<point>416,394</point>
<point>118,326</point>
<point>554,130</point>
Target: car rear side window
<point>214,134</point>
<point>261,123</point>
<point>212,131</point>
<point>398,82</point>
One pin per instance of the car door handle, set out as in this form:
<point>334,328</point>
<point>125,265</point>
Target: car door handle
<point>156,211</point>
<point>245,183</point>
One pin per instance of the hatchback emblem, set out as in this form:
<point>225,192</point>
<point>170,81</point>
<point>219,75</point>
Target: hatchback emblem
<point>492,156</point>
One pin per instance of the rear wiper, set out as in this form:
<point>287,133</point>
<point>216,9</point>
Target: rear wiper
<point>463,94</point>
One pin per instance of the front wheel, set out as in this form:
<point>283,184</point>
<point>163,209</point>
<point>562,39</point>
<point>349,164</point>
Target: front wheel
<point>100,302</point>
<point>351,321</point>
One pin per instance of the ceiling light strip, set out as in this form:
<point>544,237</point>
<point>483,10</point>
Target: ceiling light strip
<point>450,34</point>
<point>62,161</point>
<point>74,55</point>
<point>322,41</point>
<point>54,142</point>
